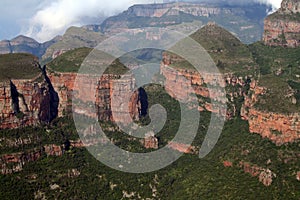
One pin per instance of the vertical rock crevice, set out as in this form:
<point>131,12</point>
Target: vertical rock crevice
<point>143,102</point>
<point>15,98</point>
<point>52,101</point>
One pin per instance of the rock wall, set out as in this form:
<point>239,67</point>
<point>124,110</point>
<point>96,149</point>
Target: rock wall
<point>188,81</point>
<point>11,163</point>
<point>30,102</point>
<point>24,103</point>
<point>279,128</point>
<point>158,10</point>
<point>265,176</point>
<point>282,28</point>
<point>94,95</point>
<point>280,32</point>
<point>14,162</point>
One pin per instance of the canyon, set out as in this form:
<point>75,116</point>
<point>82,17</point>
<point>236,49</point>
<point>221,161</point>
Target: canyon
<point>115,98</point>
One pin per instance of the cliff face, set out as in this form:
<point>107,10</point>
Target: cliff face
<point>33,101</point>
<point>25,102</point>
<point>107,86</point>
<point>245,21</point>
<point>279,128</point>
<point>180,78</point>
<point>290,6</point>
<point>158,10</point>
<point>282,28</point>
<point>14,162</point>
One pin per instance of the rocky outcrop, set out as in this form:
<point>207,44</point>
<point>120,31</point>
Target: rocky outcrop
<point>265,176</point>
<point>100,97</point>
<point>290,6</point>
<point>41,99</point>
<point>14,162</point>
<point>183,148</point>
<point>25,102</point>
<point>150,141</point>
<point>190,81</point>
<point>279,128</point>
<point>227,163</point>
<point>53,150</point>
<point>11,163</point>
<point>282,28</point>
<point>158,10</point>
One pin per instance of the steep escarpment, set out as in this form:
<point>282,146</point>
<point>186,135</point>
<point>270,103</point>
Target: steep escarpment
<point>282,28</point>
<point>80,91</point>
<point>279,127</point>
<point>234,62</point>
<point>94,92</point>
<point>25,101</point>
<point>245,21</point>
<point>268,105</point>
<point>273,101</point>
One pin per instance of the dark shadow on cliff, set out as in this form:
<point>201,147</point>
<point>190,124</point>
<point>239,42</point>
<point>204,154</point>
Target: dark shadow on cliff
<point>143,99</point>
<point>15,98</point>
<point>53,97</point>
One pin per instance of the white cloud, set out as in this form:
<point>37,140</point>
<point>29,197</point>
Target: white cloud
<point>275,3</point>
<point>56,17</point>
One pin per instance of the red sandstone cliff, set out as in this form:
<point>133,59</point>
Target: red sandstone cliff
<point>25,102</point>
<point>190,81</point>
<point>279,128</point>
<point>96,94</point>
<point>282,28</point>
<point>30,102</point>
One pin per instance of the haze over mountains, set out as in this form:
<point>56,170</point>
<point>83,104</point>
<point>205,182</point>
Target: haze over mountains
<point>245,21</point>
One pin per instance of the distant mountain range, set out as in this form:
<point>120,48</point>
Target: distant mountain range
<point>244,21</point>
<point>23,44</point>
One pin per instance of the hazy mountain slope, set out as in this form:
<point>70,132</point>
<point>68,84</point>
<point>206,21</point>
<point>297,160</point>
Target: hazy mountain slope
<point>74,37</point>
<point>23,44</point>
<point>245,21</point>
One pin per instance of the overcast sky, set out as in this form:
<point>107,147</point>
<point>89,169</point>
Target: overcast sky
<point>44,19</point>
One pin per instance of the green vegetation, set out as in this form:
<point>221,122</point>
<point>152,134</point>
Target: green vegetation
<point>280,72</point>
<point>60,130</point>
<point>228,52</point>
<point>189,177</point>
<point>18,66</point>
<point>272,59</point>
<point>72,60</point>
<point>277,98</point>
